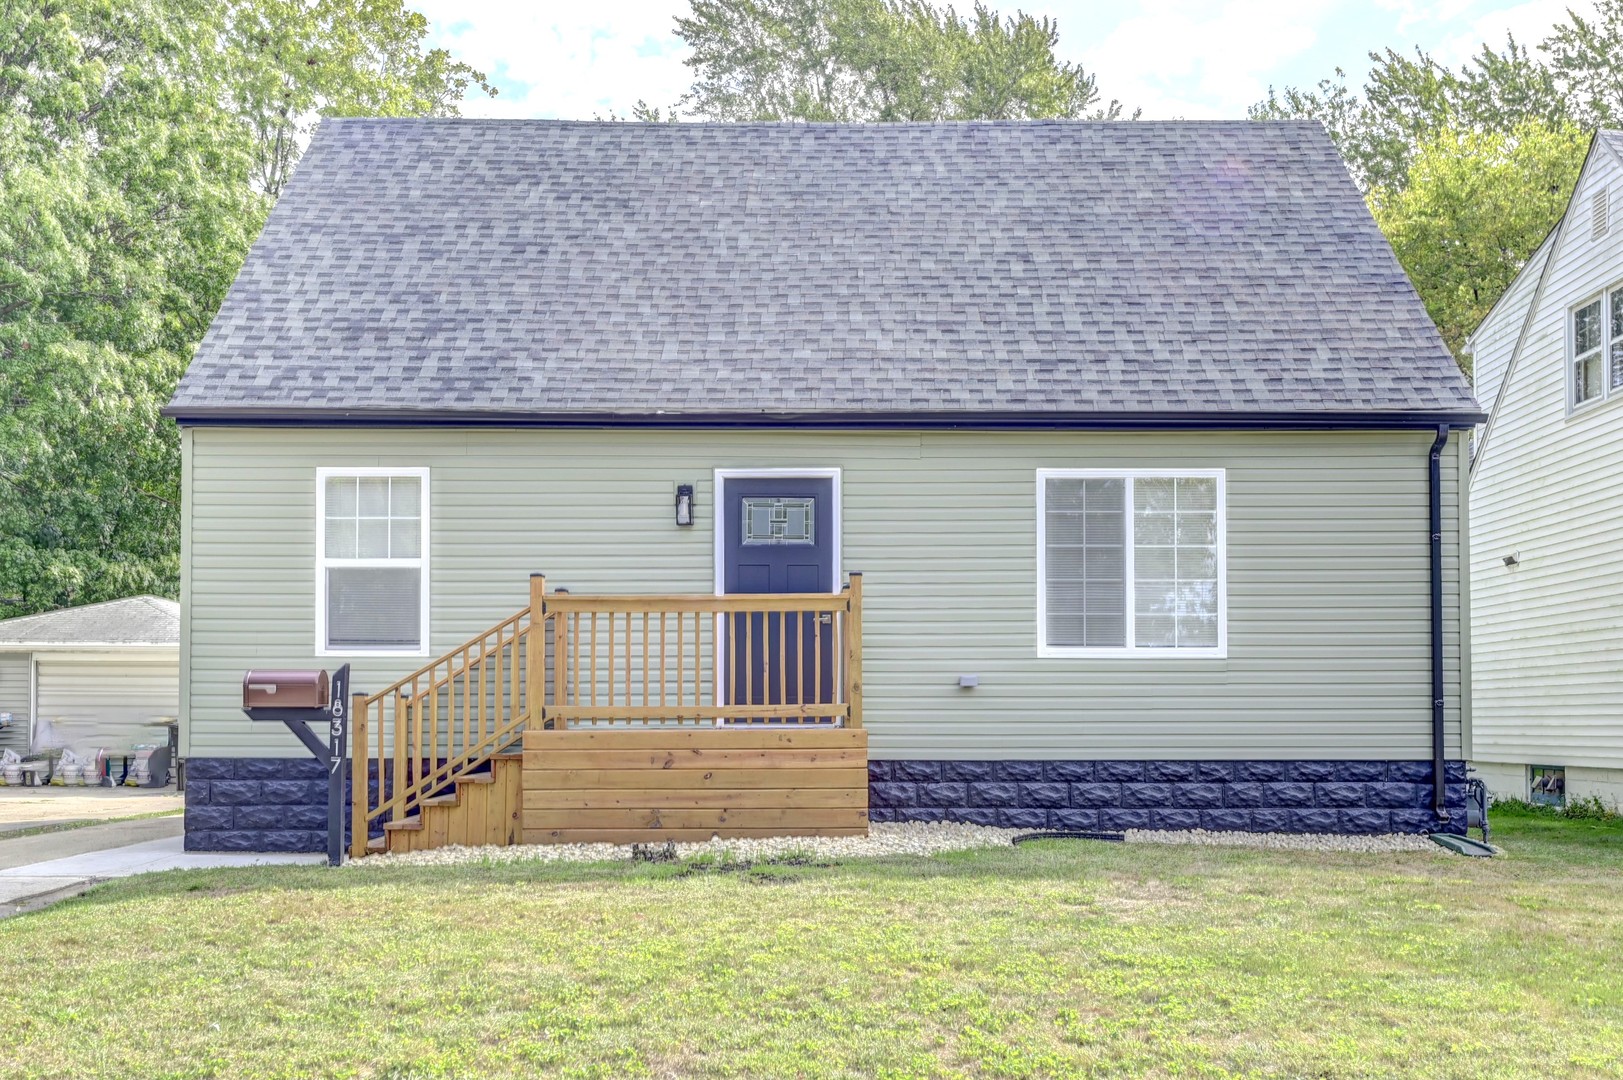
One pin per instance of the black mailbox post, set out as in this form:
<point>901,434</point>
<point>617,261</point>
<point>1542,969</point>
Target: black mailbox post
<point>299,699</point>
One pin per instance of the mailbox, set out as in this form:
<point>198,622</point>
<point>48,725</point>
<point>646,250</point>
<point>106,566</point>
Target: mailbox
<point>285,690</point>
<point>300,699</point>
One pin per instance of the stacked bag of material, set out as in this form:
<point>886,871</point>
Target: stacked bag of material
<point>11,767</point>
<point>77,770</point>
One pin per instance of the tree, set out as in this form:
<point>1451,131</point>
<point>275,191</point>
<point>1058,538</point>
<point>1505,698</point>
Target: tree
<point>877,60</point>
<point>1586,57</point>
<point>132,183</point>
<point>296,61</point>
<point>1407,101</point>
<point>1474,207</point>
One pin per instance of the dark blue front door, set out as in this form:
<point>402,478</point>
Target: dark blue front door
<point>778,537</point>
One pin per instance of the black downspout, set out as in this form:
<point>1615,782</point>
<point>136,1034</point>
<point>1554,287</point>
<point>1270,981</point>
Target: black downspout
<point>1439,785</point>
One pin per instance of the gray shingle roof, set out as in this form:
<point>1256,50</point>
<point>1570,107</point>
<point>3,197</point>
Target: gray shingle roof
<point>557,269</point>
<point>136,620</point>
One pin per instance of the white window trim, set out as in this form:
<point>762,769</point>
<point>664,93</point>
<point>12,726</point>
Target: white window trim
<point>1608,392</point>
<point>322,562</point>
<point>1132,650</point>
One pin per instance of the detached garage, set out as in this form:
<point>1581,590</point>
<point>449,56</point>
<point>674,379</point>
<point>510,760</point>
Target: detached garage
<point>90,677</point>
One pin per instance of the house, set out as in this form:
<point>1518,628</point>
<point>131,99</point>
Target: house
<point>91,677</point>
<point>1545,516</point>
<point>1063,474</point>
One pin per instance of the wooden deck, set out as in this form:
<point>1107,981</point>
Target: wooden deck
<point>653,785</point>
<point>620,706</point>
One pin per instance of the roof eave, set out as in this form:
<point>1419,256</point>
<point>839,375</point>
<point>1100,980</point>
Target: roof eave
<point>235,416</point>
<point>81,646</point>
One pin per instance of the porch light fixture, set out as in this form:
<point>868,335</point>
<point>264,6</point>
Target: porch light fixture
<point>1513,559</point>
<point>684,504</point>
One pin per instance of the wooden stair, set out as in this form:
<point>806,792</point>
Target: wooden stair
<point>484,808</point>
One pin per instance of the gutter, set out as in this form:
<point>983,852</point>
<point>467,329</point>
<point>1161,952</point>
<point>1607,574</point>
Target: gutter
<point>1439,786</point>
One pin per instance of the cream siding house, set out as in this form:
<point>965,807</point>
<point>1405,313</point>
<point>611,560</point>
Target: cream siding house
<point>1133,432</point>
<point>1545,511</point>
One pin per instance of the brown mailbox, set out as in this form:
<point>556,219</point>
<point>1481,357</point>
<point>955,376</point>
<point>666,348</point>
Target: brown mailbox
<point>285,690</point>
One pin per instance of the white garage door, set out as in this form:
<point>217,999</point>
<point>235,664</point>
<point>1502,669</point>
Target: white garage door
<point>93,701</point>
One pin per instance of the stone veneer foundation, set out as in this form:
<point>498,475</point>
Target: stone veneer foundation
<point>280,804</point>
<point>1249,796</point>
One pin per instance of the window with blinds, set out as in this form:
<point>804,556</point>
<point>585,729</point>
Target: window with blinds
<point>372,562</point>
<point>1131,563</point>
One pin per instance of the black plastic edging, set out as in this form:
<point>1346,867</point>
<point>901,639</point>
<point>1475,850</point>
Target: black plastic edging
<point>1070,834</point>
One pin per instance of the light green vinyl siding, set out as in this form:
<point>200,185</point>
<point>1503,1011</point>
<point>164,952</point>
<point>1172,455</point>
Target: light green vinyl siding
<point>1327,561</point>
<point>14,699</point>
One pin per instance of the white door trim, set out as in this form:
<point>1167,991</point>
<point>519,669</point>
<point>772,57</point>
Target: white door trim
<point>718,494</point>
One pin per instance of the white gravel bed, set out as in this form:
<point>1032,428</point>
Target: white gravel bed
<point>1286,841</point>
<point>910,838</point>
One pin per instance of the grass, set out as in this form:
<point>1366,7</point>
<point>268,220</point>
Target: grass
<point>81,823</point>
<point>1054,959</point>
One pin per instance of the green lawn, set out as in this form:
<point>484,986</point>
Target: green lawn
<point>1047,960</point>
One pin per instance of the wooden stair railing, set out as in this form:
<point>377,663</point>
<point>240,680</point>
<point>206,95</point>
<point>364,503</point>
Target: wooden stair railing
<point>443,722</point>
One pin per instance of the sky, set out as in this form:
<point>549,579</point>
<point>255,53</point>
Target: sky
<point>1194,59</point>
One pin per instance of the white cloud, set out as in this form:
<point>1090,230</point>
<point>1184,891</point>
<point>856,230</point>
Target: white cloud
<point>553,60</point>
<point>1531,22</point>
<point>1200,60</point>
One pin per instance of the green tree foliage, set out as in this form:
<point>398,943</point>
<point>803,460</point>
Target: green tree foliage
<point>1586,57</point>
<point>292,62</point>
<point>134,175</point>
<point>1475,205</point>
<point>1409,100</point>
<point>877,60</point>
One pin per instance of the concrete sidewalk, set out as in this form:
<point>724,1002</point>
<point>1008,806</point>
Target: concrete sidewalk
<point>33,885</point>
<point>25,850</point>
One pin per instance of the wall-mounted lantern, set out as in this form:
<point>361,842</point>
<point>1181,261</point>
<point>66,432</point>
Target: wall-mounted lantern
<point>684,504</point>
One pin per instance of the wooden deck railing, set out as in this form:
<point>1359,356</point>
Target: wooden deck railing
<point>685,660</point>
<point>570,661</point>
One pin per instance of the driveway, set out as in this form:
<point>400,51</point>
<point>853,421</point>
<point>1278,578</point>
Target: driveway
<point>26,807</point>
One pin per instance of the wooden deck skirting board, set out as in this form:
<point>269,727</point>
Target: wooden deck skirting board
<point>652,785</point>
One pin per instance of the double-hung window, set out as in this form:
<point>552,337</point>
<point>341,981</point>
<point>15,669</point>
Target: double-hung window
<point>1131,563</point>
<point>1596,370</point>
<point>372,561</point>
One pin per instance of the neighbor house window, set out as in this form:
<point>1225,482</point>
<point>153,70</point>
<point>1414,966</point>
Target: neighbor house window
<point>1131,563</point>
<point>372,561</point>
<point>1597,348</point>
<point>1586,353</point>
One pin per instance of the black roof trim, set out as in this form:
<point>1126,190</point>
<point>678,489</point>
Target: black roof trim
<point>1300,421</point>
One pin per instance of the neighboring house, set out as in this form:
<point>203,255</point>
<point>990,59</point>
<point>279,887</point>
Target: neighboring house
<point>1134,431</point>
<point>1546,513</point>
<point>90,677</point>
